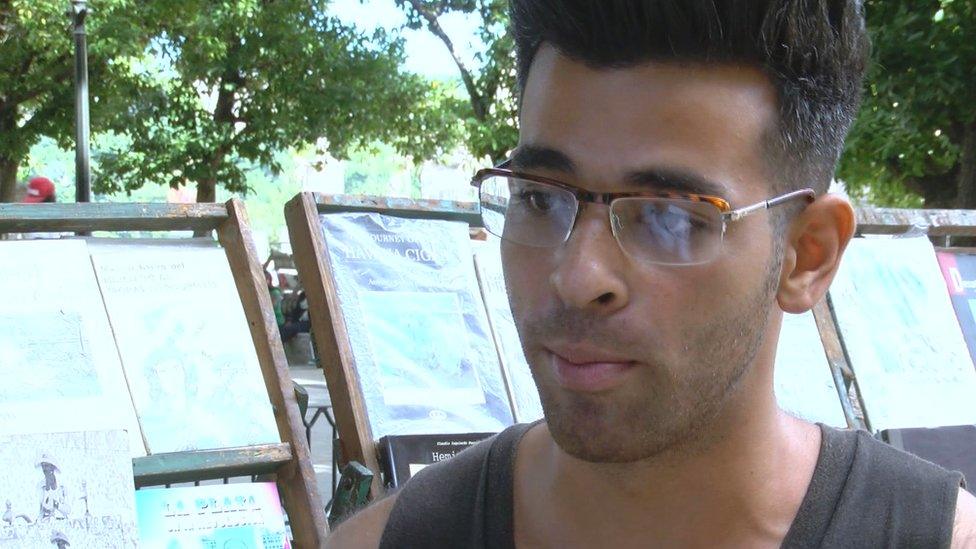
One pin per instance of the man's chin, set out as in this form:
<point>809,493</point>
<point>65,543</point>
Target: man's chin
<point>589,432</point>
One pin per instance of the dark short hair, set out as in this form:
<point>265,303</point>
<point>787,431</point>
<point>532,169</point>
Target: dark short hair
<point>814,51</point>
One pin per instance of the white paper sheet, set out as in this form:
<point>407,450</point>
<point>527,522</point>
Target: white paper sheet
<point>67,490</point>
<point>185,345</point>
<point>59,365</point>
<point>900,332</point>
<point>518,376</point>
<point>804,384</point>
<point>416,325</point>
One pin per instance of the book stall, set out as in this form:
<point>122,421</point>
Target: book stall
<point>410,315</point>
<point>131,365</point>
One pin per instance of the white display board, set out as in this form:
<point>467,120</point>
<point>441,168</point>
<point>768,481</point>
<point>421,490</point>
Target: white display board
<point>185,345</point>
<point>59,365</point>
<point>416,324</point>
<point>67,490</point>
<point>803,381</point>
<point>901,335</point>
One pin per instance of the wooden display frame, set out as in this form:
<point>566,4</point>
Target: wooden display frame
<point>310,254</point>
<point>289,460</point>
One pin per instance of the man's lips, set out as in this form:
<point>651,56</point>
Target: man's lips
<point>588,370</point>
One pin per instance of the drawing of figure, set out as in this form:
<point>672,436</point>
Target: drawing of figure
<point>59,540</point>
<point>10,517</point>
<point>54,502</point>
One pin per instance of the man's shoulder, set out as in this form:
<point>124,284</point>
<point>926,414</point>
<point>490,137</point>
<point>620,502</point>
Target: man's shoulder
<point>436,503</point>
<point>364,529</point>
<point>887,496</point>
<point>886,464</point>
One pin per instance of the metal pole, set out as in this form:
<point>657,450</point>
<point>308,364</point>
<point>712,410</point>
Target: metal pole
<point>79,10</point>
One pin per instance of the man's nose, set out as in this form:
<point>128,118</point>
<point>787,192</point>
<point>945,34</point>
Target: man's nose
<point>590,266</point>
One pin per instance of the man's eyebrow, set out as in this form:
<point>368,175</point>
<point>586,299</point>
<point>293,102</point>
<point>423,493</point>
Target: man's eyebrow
<point>683,181</point>
<point>535,157</point>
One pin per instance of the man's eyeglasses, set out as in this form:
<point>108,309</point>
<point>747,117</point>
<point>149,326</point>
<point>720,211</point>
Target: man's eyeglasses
<point>663,228</point>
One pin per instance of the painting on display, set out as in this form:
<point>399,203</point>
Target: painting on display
<point>521,385</point>
<point>67,490</point>
<point>901,335</point>
<point>416,324</point>
<point>185,345</point>
<point>803,381</point>
<point>58,360</point>
<point>959,271</point>
<point>244,515</point>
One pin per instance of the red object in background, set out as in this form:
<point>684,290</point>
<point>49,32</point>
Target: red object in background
<point>39,189</point>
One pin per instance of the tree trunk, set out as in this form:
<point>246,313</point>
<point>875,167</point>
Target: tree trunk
<point>207,190</point>
<point>8,178</point>
<point>966,178</point>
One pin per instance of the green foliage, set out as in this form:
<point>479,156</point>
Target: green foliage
<point>245,79</point>
<point>490,114</point>
<point>37,69</point>
<point>919,98</point>
<point>371,171</point>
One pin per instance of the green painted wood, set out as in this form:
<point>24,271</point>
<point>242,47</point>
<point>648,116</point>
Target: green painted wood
<point>110,216</point>
<point>170,468</point>
<point>449,210</point>
<point>897,221</point>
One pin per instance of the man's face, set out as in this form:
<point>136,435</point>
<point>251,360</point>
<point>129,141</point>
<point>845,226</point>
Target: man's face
<point>632,358</point>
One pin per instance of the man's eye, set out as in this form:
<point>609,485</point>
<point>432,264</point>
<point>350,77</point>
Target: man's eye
<point>540,201</point>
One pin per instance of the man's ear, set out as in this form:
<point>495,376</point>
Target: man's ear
<point>815,243</point>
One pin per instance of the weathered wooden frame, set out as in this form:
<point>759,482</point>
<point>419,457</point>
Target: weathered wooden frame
<point>289,460</point>
<point>310,254</point>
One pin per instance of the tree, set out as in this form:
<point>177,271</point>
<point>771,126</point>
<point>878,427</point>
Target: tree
<point>914,141</point>
<point>228,83</point>
<point>37,73</point>
<point>490,113</point>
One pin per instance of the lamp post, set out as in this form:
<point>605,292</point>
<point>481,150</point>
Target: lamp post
<point>79,10</point>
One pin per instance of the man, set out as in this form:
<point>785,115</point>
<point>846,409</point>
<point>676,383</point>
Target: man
<point>665,205</point>
<point>40,189</point>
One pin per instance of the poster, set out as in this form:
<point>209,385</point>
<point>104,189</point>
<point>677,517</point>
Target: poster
<point>803,381</point>
<point>185,345</point>
<point>416,325</point>
<point>240,516</point>
<point>959,271</point>
<point>67,490</point>
<point>901,335</point>
<point>521,385</point>
<point>59,365</point>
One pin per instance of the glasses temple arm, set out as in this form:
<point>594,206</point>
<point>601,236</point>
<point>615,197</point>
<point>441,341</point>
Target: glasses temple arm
<point>735,215</point>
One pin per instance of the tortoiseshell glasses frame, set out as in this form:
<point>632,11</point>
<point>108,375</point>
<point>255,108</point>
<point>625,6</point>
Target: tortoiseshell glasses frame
<point>673,228</point>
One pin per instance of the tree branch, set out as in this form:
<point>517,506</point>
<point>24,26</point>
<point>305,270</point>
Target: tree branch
<point>477,100</point>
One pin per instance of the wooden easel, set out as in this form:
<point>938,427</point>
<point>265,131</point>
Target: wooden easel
<point>287,461</point>
<point>328,325</point>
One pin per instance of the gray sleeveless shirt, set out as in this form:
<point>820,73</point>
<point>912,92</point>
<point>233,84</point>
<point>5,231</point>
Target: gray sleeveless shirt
<point>864,493</point>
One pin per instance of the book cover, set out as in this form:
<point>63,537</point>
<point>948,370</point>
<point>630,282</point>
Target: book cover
<point>803,381</point>
<point>518,377</point>
<point>402,456</point>
<point>959,271</point>
<point>416,324</point>
<point>240,515</point>
<point>67,490</point>
<point>901,335</point>
<point>59,365</point>
<point>185,345</point>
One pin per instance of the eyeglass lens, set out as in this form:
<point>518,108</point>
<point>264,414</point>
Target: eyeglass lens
<point>655,230</point>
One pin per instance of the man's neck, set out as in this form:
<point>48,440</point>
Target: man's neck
<point>741,483</point>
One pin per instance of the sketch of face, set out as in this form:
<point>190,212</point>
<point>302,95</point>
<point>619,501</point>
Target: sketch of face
<point>171,379</point>
<point>50,480</point>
